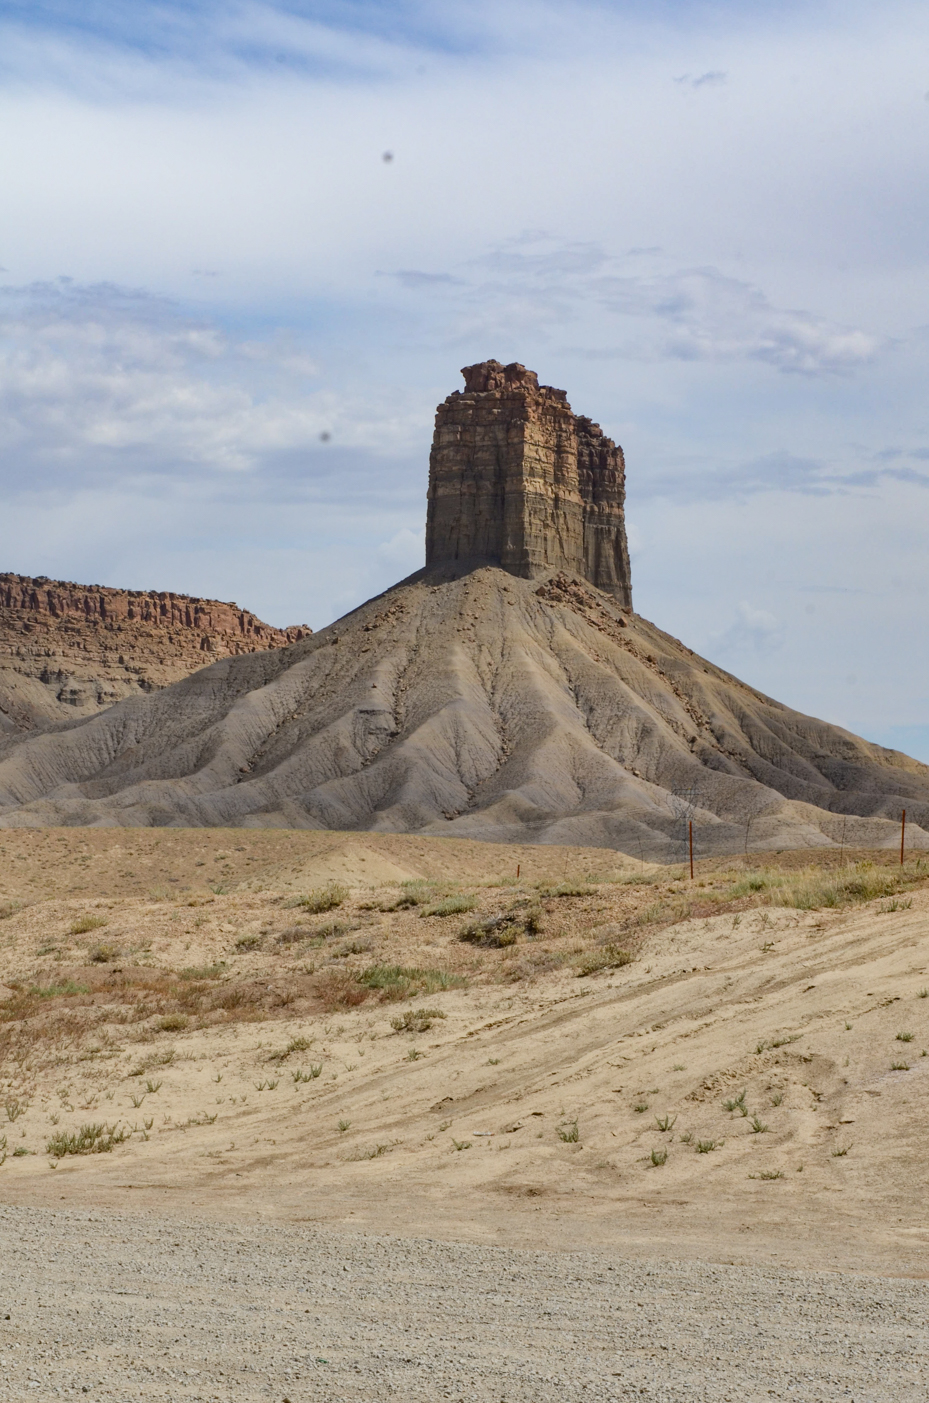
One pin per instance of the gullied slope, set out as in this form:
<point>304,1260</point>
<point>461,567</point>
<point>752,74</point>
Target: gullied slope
<point>69,650</point>
<point>482,706</point>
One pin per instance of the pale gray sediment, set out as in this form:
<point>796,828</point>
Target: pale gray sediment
<point>121,1307</point>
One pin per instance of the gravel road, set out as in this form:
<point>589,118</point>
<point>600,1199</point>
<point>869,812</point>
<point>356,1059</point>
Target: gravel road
<point>120,1307</point>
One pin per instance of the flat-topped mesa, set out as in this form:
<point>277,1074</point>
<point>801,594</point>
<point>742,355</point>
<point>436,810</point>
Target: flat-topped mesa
<point>517,480</point>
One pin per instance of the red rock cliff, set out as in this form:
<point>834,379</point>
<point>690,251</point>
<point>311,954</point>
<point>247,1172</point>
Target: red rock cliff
<point>69,649</point>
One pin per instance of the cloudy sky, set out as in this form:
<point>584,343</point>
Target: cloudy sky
<point>246,247</point>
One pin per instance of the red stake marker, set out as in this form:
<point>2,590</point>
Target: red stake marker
<point>690,835</point>
<point>902,835</point>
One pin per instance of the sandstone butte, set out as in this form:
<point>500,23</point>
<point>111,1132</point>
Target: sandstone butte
<point>69,650</point>
<point>505,692</point>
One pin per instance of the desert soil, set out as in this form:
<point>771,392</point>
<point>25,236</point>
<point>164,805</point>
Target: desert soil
<point>684,1119</point>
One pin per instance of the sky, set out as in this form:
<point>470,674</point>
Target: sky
<point>246,248</point>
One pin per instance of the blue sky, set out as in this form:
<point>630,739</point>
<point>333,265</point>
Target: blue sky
<point>226,318</point>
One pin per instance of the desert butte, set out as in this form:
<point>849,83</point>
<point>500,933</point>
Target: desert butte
<point>364,1035</point>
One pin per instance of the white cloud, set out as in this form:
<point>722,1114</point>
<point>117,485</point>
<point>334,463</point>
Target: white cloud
<point>753,630</point>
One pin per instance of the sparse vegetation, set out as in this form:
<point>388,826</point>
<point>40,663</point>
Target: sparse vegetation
<point>82,924</point>
<point>904,1037</point>
<point>418,1020</point>
<point>449,906</point>
<point>609,957</point>
<point>322,899</point>
<point>705,1147</point>
<point>568,889</point>
<point>658,1158</point>
<point>103,954</point>
<point>89,1140</point>
<point>569,1132</point>
<point>665,1123</point>
<point>247,943</point>
<point>758,1126</point>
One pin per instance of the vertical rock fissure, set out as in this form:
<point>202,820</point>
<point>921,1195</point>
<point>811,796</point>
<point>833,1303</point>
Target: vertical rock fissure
<point>517,480</point>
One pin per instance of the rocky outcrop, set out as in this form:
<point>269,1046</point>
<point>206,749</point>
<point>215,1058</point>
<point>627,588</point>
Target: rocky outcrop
<point>70,650</point>
<point>516,479</point>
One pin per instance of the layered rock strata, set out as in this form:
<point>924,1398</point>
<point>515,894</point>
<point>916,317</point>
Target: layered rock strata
<point>516,479</point>
<point>70,650</point>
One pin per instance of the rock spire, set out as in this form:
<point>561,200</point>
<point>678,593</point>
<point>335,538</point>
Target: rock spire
<point>516,479</point>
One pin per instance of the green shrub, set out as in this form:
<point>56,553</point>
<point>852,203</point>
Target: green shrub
<point>89,1140</point>
<point>396,982</point>
<point>449,906</point>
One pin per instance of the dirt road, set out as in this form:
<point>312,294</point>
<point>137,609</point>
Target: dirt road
<point>123,1307</point>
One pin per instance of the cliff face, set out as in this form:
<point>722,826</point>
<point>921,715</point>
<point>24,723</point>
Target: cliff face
<point>70,650</point>
<point>518,480</point>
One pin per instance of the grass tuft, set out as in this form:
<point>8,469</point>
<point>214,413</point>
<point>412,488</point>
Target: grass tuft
<point>418,1020</point>
<point>449,906</point>
<point>325,898</point>
<point>89,1140</point>
<point>83,924</point>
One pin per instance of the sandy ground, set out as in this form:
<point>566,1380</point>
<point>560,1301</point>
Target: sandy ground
<point>746,1092</point>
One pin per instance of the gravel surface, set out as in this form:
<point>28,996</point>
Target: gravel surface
<point>125,1307</point>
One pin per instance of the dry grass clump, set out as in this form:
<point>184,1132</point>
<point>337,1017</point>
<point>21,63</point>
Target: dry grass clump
<point>322,899</point>
<point>814,890</point>
<point>608,957</point>
<point>569,889</point>
<point>416,1020</point>
<point>83,924</point>
<point>103,954</point>
<point>89,1140</point>
<point>494,932</point>
<point>449,906</point>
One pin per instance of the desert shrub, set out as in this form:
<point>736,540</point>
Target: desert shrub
<point>610,957</point>
<point>395,982</point>
<point>449,906</point>
<point>362,946</point>
<point>173,1023</point>
<point>9,908</point>
<point>325,898</point>
<point>417,892</point>
<point>248,942</point>
<point>569,889</point>
<point>418,1020</point>
<point>103,954</point>
<point>89,1140</point>
<point>196,972</point>
<point>339,989</point>
<point>83,924</point>
<point>494,932</point>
